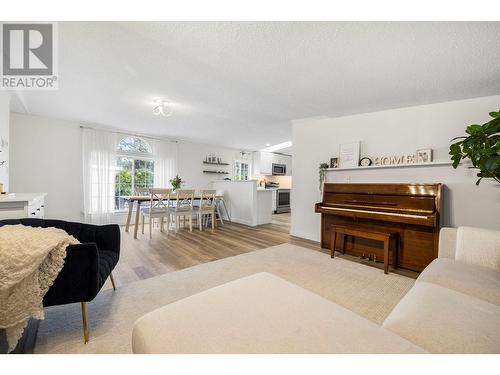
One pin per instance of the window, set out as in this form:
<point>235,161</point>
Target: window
<point>240,170</point>
<point>134,169</point>
<point>135,145</point>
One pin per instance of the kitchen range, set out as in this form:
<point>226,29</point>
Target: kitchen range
<point>281,198</point>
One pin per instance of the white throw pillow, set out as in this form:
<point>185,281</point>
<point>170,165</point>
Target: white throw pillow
<point>478,246</point>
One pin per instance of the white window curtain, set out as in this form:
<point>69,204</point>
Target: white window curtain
<point>99,163</point>
<point>165,158</point>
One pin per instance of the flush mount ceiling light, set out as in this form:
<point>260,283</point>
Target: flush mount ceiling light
<point>162,107</point>
<point>277,147</point>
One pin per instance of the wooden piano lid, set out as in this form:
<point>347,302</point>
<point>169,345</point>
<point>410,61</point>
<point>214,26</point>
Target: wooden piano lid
<point>384,188</point>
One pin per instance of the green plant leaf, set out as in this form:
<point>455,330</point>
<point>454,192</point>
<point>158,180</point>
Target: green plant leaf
<point>492,163</point>
<point>455,149</point>
<point>473,129</point>
<point>481,147</point>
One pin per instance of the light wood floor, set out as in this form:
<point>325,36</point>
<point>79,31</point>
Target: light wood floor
<point>143,258</point>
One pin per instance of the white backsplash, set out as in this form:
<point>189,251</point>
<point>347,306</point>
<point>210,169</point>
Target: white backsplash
<point>284,181</point>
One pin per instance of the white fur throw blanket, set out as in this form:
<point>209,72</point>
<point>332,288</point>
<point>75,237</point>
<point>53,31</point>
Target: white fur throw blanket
<point>30,260</point>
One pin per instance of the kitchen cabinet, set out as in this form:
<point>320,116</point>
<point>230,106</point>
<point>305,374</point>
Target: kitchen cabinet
<point>263,163</point>
<point>288,162</point>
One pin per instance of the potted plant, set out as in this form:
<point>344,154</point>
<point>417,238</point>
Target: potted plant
<point>176,182</point>
<point>482,147</point>
<point>322,174</point>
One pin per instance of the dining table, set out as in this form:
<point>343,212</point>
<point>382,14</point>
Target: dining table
<point>136,200</point>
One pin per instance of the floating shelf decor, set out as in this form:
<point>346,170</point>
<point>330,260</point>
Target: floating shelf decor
<point>415,165</point>
<point>207,162</point>
<point>216,172</point>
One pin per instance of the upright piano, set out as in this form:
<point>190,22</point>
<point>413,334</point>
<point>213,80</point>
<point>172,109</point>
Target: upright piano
<point>413,210</point>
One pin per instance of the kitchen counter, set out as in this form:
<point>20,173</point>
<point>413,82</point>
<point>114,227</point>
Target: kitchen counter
<point>246,203</point>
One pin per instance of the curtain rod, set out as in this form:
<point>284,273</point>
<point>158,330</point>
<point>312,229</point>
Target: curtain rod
<point>132,134</point>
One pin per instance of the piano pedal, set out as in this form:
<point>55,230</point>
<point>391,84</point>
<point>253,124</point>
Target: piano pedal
<point>374,258</point>
<point>362,256</point>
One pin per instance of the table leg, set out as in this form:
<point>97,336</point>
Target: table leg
<point>129,216</point>
<point>137,217</point>
<point>386,255</point>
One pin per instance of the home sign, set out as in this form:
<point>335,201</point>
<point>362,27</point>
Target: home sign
<point>421,156</point>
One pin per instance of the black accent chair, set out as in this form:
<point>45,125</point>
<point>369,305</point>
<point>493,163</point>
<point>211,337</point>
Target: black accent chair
<point>87,265</point>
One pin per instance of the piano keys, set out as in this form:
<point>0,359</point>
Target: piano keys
<point>413,210</point>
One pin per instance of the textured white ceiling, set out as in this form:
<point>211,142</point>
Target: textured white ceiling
<point>239,84</point>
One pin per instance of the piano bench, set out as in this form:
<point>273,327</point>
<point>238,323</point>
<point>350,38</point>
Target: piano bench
<point>386,236</point>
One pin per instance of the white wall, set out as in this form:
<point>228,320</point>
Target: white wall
<point>46,157</point>
<point>4,134</point>
<point>391,132</point>
<point>190,164</point>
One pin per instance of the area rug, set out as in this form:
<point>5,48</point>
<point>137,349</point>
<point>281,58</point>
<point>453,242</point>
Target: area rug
<point>365,290</point>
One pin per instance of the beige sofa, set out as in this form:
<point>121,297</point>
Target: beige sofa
<point>454,307</point>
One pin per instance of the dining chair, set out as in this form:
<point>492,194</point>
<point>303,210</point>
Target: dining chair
<point>142,191</point>
<point>220,203</point>
<point>184,207</point>
<point>159,208</point>
<point>206,207</point>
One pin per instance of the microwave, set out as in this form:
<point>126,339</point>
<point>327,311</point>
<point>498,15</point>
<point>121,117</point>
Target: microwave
<point>279,169</point>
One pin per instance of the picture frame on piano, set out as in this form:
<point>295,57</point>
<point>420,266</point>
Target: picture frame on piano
<point>424,155</point>
<point>334,162</point>
<point>349,155</point>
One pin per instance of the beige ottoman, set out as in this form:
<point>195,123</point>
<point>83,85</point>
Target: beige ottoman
<point>261,313</point>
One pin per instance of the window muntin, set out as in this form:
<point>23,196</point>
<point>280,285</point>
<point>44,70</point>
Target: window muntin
<point>135,145</point>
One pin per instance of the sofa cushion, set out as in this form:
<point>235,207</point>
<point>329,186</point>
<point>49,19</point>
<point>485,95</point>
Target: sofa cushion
<point>261,313</point>
<point>479,247</point>
<point>442,320</point>
<point>476,281</point>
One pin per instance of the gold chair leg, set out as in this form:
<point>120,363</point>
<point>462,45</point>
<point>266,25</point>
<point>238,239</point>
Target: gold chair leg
<point>85,323</point>
<point>112,280</point>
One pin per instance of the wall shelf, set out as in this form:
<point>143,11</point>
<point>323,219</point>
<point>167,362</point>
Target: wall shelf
<point>416,165</point>
<point>215,172</point>
<point>206,162</point>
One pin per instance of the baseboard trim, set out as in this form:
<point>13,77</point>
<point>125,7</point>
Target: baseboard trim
<point>305,235</point>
